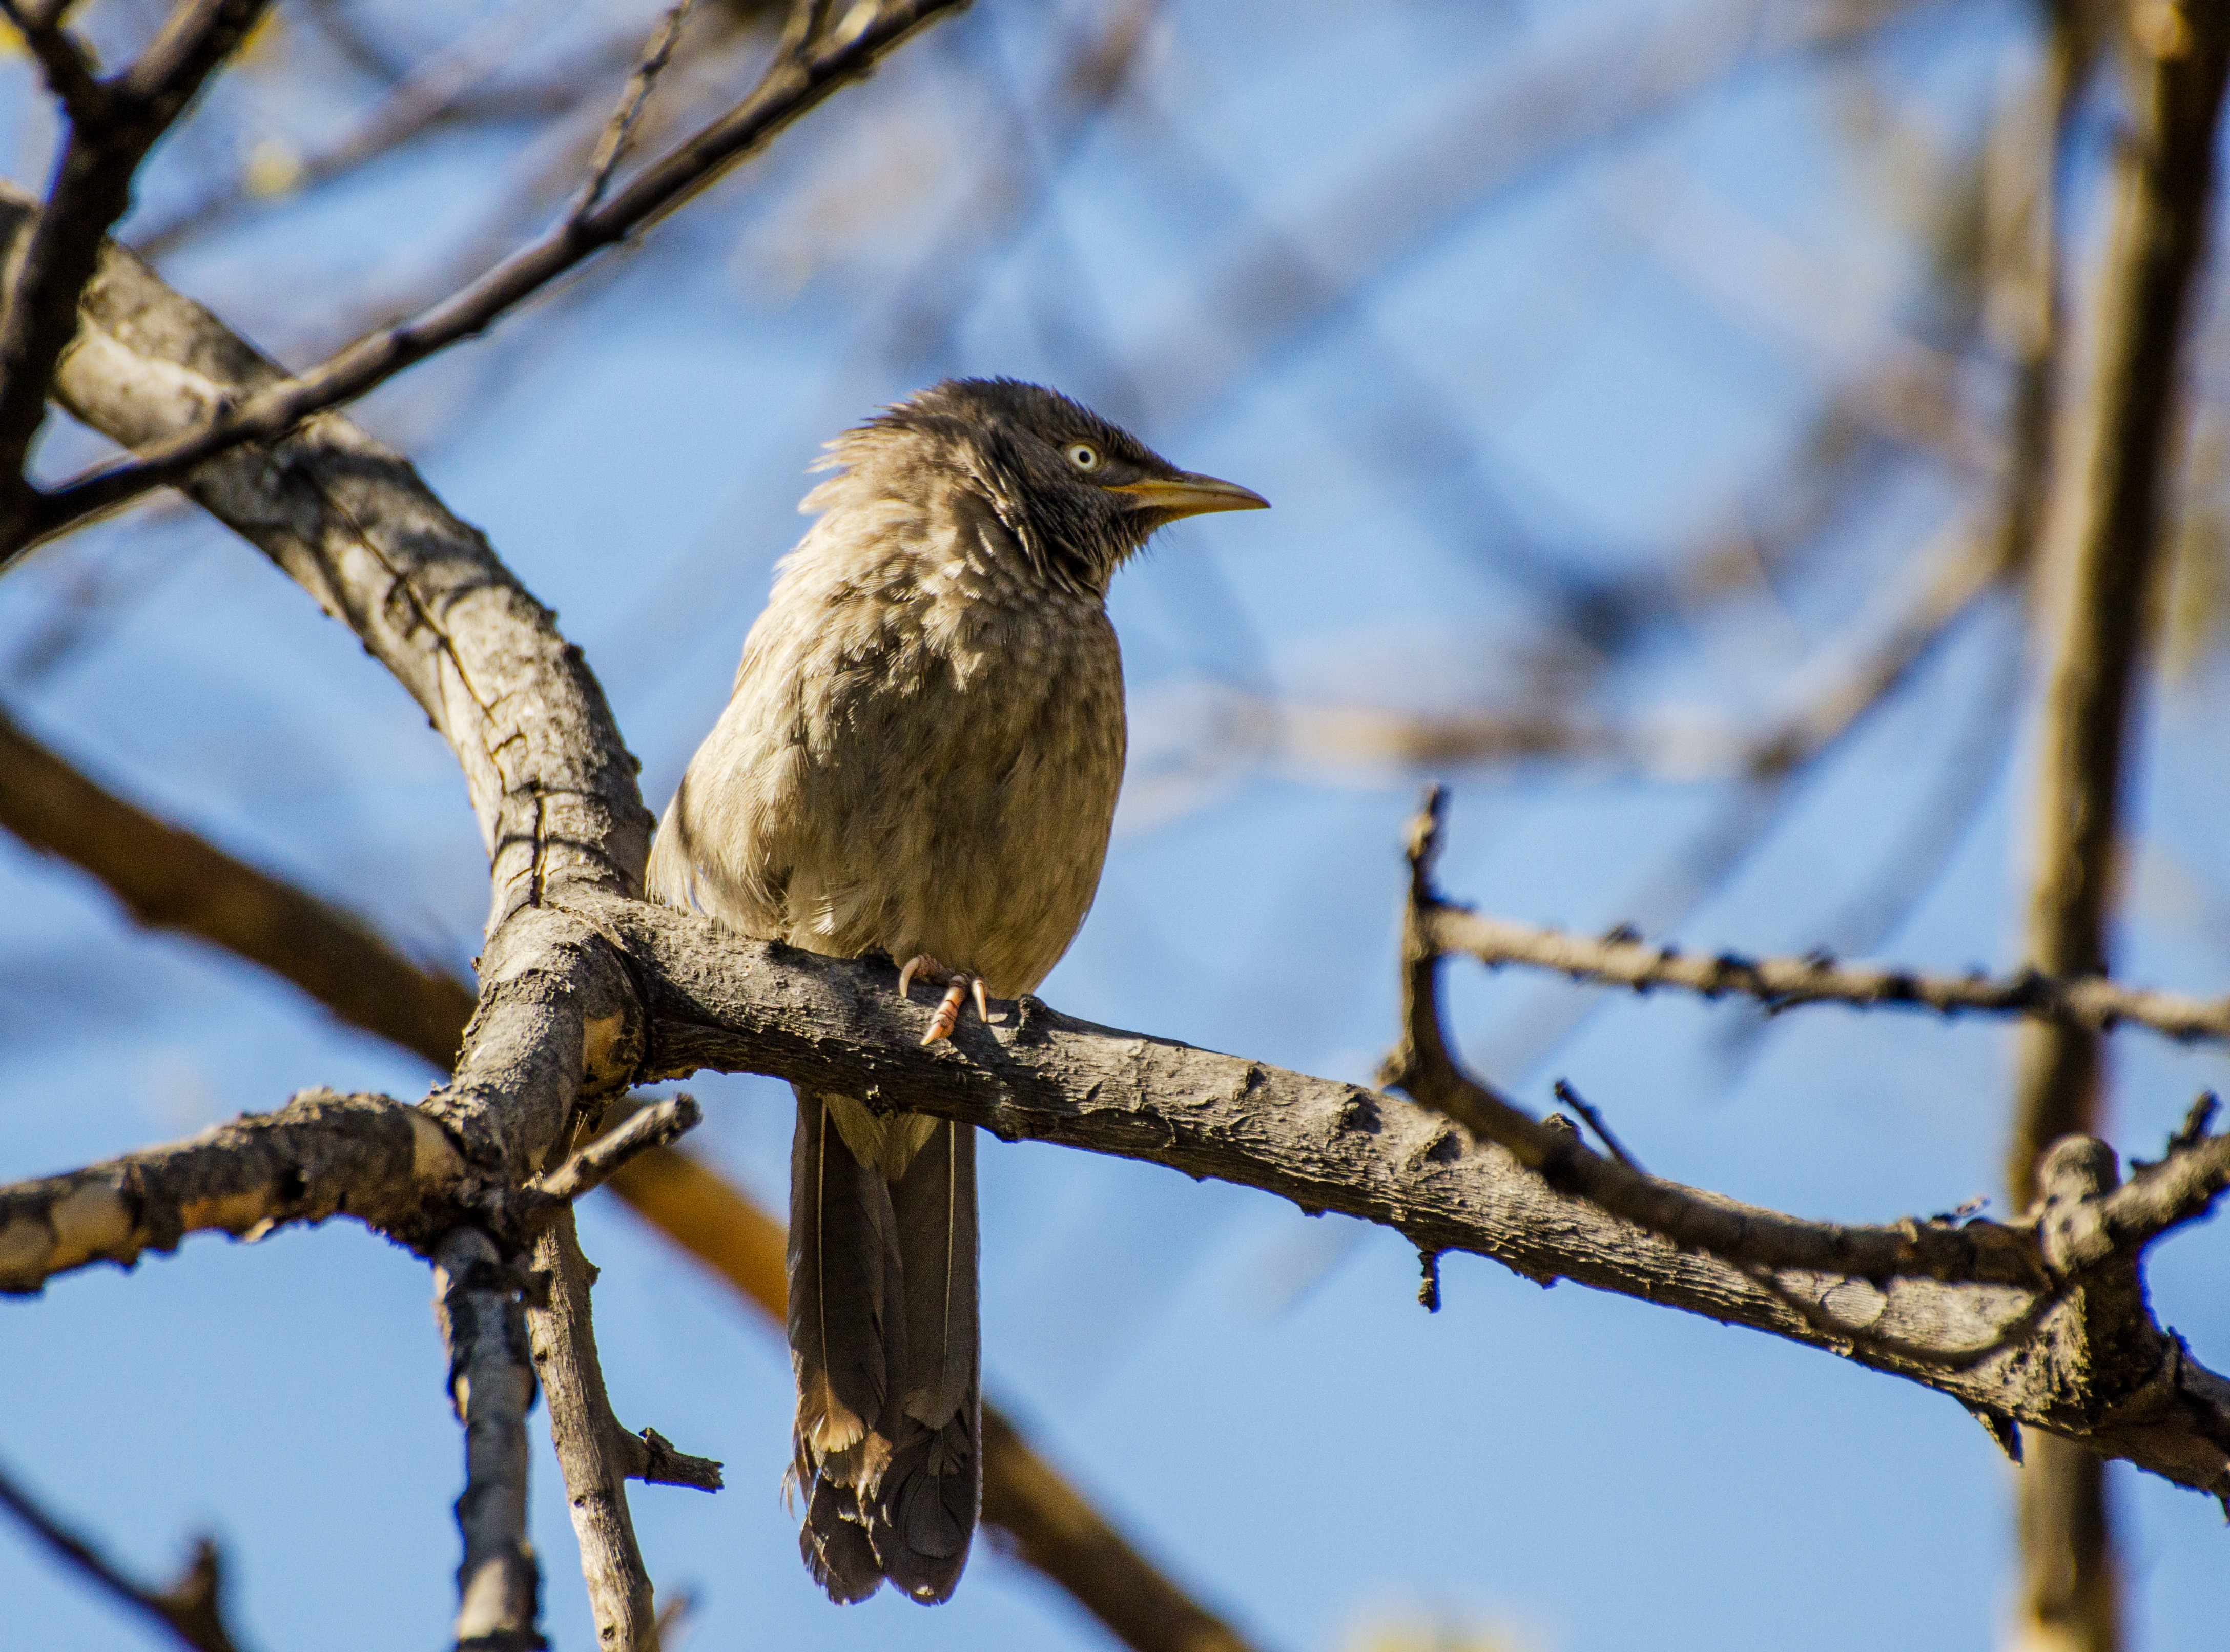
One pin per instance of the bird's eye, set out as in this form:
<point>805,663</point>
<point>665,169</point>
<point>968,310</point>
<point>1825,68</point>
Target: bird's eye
<point>1083,455</point>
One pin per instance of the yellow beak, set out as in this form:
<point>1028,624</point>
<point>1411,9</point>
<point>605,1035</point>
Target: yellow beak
<point>1190,494</point>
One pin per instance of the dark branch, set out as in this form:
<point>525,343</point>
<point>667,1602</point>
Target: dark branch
<point>2093,1002</point>
<point>190,1609</point>
<point>476,1303</point>
<point>112,126</point>
<point>792,85</point>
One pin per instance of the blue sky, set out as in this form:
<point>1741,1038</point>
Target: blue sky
<point>1595,363</point>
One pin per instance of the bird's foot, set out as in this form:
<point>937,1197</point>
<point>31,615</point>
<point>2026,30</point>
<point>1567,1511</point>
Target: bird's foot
<point>958,984</point>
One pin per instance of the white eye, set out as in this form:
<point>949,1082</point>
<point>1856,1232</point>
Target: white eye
<point>1083,455</point>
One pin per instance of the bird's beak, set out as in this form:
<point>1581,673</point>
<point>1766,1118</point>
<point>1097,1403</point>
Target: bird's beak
<point>1188,493</point>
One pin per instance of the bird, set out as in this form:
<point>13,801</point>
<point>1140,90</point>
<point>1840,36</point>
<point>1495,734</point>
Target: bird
<point>921,758</point>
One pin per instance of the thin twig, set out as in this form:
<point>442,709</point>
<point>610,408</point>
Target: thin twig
<point>1620,959</point>
<point>1579,1104</point>
<point>1422,1066</point>
<point>659,1126</point>
<point>791,87</point>
<point>612,144</point>
<point>190,1609</point>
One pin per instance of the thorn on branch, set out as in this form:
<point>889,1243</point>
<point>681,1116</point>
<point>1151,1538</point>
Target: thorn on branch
<point>2002,1428</point>
<point>1578,1103</point>
<point>1429,1284</point>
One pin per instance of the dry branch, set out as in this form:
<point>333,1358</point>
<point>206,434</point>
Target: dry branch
<point>794,84</point>
<point>2010,1321</point>
<point>190,1609</point>
<point>2093,1002</point>
<point>476,1302</point>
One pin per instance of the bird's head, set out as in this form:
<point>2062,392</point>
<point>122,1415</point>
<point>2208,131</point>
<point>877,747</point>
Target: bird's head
<point>1080,495</point>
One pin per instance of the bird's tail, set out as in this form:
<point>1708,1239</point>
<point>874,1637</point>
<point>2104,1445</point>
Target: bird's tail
<point>884,1340</point>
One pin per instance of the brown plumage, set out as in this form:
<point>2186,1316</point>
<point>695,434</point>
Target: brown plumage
<point>920,758</point>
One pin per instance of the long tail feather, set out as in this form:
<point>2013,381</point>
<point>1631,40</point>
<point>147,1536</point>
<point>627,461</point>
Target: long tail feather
<point>847,1327</point>
<point>924,1513</point>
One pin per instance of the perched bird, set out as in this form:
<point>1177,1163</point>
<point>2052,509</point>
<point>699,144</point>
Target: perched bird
<point>920,758</point>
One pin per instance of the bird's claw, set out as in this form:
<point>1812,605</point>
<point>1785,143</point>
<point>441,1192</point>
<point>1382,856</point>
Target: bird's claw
<point>958,986</point>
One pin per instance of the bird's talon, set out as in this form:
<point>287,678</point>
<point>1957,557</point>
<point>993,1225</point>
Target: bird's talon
<point>948,1010</point>
<point>983,1008</point>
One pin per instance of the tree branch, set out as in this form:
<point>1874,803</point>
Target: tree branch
<point>2100,578</point>
<point>2000,1319</point>
<point>112,126</point>
<point>356,526</point>
<point>592,1448</point>
<point>190,1609</point>
<point>2097,580</point>
<point>2093,1002</point>
<point>792,85</point>
<point>476,1303</point>
<point>174,879</point>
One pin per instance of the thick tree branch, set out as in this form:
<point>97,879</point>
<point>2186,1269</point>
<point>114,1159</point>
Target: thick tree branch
<point>2093,1002</point>
<point>794,84</point>
<point>2019,1332</point>
<point>190,1609</point>
<point>386,1163</point>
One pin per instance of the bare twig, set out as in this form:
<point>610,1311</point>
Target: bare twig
<point>657,1125</point>
<point>1572,1097</point>
<point>1422,1068</point>
<point>593,1450</point>
<point>1617,960</point>
<point>618,130</point>
<point>792,86</point>
<point>190,1609</point>
<point>441,95</point>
